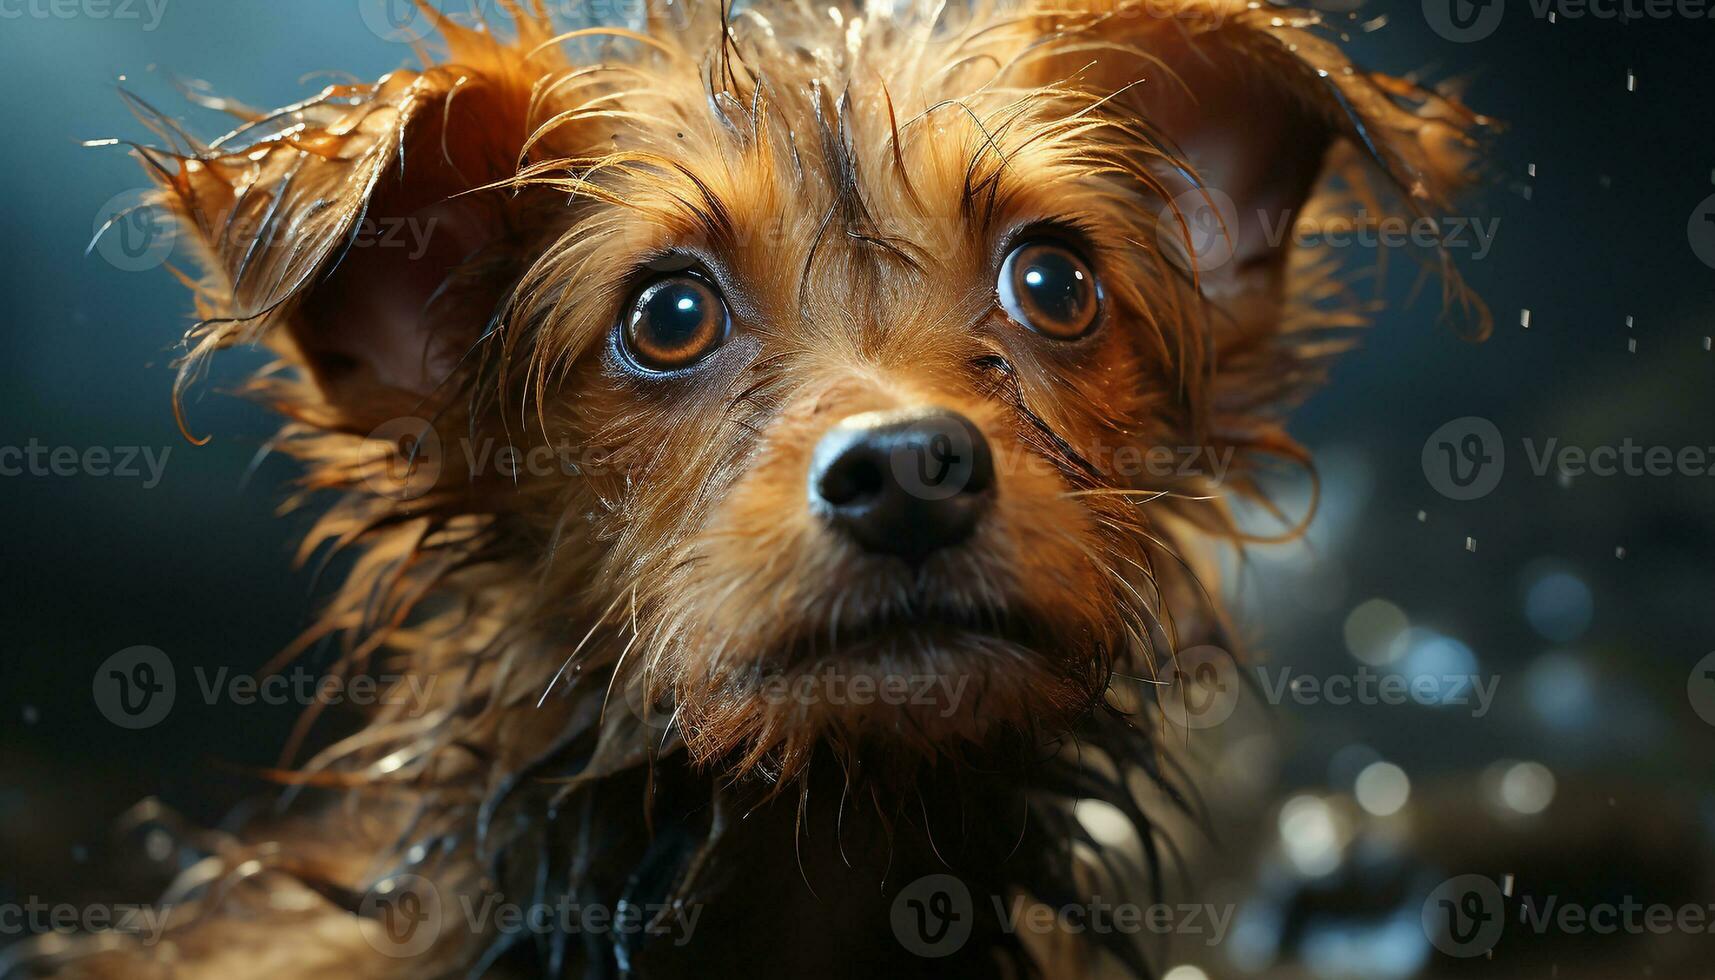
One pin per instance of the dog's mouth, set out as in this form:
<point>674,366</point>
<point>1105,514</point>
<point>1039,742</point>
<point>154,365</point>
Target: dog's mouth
<point>928,635</point>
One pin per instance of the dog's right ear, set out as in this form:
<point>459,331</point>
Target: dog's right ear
<point>360,233</point>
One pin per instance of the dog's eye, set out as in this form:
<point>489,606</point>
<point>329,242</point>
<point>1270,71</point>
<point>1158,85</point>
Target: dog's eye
<point>1050,289</point>
<point>673,323</point>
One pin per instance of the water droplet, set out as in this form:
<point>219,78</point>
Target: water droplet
<point>1531,169</point>
<point>1632,345</point>
<point>1423,517</point>
<point>1630,322</point>
<point>1708,342</point>
<point>1471,544</point>
<point>1631,81</point>
<point>1524,319</point>
<point>1620,553</point>
<point>31,715</point>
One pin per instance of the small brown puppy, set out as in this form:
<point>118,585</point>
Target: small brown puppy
<point>763,458</point>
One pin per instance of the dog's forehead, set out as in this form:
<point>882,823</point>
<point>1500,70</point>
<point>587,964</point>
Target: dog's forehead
<point>824,171</point>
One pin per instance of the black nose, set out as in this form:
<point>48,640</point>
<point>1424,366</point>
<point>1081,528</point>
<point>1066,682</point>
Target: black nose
<point>903,483</point>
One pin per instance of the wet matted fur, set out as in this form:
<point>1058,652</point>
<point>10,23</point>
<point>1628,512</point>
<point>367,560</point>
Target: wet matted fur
<point>603,624</point>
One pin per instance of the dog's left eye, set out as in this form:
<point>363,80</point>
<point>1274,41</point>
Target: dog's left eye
<point>1050,289</point>
<point>674,322</point>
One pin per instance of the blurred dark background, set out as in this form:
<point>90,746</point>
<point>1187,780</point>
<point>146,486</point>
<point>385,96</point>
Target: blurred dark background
<point>1588,601</point>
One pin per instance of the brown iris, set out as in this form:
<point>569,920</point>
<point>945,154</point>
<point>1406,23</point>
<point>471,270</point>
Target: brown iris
<point>673,323</point>
<point>1050,289</point>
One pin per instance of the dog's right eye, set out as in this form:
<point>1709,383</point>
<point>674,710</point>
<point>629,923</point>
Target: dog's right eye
<point>674,322</point>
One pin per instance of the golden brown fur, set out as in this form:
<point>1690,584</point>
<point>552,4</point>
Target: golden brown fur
<point>601,628</point>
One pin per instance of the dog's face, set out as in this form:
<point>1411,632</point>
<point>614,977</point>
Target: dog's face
<point>889,365</point>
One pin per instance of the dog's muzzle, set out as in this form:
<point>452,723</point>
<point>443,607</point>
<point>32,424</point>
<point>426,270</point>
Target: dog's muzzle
<point>903,483</point>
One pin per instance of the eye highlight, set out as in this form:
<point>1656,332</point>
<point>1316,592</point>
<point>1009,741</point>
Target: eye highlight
<point>673,322</point>
<point>1049,288</point>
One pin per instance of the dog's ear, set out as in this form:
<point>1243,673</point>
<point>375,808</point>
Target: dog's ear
<point>1244,106</point>
<point>363,223</point>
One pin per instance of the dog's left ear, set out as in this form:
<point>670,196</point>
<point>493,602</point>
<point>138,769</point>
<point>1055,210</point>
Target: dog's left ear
<point>1249,105</point>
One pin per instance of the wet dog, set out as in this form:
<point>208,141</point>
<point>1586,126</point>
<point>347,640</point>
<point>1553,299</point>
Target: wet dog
<point>790,443</point>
